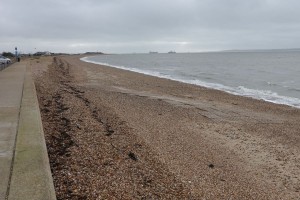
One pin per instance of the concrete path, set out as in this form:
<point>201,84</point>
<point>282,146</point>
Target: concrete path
<point>11,89</point>
<point>24,164</point>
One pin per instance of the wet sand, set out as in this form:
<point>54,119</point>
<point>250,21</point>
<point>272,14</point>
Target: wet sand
<point>115,134</point>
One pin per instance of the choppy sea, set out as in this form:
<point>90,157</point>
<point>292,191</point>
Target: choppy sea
<point>270,76</point>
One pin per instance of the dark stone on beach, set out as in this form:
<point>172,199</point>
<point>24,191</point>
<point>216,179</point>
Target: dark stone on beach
<point>211,166</point>
<point>109,131</point>
<point>45,110</point>
<point>132,156</point>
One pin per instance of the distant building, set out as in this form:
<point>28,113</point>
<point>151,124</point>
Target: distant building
<point>93,53</point>
<point>44,53</point>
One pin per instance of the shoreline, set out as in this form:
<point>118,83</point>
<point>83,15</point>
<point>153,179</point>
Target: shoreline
<point>209,143</point>
<point>239,91</point>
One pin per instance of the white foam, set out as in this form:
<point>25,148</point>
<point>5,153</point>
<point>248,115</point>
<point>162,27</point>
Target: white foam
<point>268,96</point>
<point>265,95</point>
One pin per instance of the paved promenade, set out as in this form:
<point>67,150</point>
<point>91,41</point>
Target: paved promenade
<point>24,164</point>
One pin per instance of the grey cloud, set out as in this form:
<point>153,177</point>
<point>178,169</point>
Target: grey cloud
<point>143,25</point>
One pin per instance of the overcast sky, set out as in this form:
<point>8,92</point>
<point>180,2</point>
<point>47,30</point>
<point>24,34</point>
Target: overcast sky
<point>127,26</point>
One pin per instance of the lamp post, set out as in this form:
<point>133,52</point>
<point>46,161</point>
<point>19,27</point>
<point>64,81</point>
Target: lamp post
<point>16,53</point>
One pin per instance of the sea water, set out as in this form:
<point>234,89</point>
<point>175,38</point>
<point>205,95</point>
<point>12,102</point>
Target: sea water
<point>270,76</point>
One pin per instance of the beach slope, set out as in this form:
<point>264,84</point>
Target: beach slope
<point>115,134</point>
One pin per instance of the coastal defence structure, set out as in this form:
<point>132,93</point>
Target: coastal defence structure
<point>24,165</point>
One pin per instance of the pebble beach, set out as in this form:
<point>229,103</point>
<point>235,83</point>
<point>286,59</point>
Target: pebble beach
<point>116,134</point>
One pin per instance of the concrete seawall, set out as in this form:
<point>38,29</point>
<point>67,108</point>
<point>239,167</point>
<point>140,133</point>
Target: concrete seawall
<point>24,164</point>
